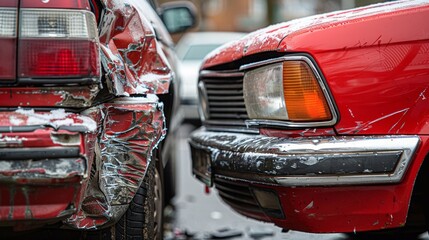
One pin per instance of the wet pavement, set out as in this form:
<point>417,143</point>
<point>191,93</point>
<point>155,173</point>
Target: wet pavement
<point>198,215</point>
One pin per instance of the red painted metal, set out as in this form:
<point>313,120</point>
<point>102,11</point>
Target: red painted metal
<point>33,203</point>
<point>72,97</point>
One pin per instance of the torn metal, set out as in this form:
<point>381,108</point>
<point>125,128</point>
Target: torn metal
<point>132,128</point>
<point>131,56</point>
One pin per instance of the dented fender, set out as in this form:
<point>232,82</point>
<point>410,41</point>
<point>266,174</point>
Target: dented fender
<point>131,55</point>
<point>131,129</point>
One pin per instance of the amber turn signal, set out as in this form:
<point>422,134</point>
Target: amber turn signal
<point>304,98</point>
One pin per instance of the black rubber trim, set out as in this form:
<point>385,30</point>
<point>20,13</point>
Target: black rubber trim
<point>38,153</point>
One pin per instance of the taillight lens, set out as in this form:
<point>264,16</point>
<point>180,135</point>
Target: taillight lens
<point>7,43</point>
<point>58,44</point>
<point>287,90</point>
<point>7,22</point>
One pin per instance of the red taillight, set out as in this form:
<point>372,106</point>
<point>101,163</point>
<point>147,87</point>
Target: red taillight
<point>57,45</point>
<point>58,58</point>
<point>7,44</point>
<point>7,59</point>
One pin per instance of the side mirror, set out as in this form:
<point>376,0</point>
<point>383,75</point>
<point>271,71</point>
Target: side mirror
<point>178,16</point>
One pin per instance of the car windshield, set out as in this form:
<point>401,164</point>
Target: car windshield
<point>198,52</point>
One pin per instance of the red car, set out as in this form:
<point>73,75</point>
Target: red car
<point>87,91</point>
<point>321,124</point>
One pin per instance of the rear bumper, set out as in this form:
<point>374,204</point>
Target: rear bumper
<point>42,168</point>
<point>324,184</point>
<point>321,161</point>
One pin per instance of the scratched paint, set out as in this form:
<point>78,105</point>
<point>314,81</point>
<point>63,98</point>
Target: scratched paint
<point>131,130</point>
<point>269,39</point>
<point>131,56</point>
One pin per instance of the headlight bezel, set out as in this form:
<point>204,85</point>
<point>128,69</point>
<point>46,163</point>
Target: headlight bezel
<point>320,80</point>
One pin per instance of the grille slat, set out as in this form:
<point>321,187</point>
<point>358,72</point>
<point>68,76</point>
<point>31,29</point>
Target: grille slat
<point>234,104</point>
<point>225,100</point>
<point>230,117</point>
<point>237,195</point>
<point>228,110</point>
<point>224,86</point>
<point>225,92</point>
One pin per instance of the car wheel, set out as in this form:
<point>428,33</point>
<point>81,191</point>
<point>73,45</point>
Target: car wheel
<point>143,219</point>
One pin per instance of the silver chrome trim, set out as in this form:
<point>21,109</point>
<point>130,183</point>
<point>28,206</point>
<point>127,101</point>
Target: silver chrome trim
<point>203,106</point>
<point>229,150</point>
<point>286,123</point>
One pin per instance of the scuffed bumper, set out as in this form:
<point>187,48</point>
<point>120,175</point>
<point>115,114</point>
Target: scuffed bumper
<point>303,161</point>
<point>317,184</point>
<point>95,160</point>
<point>41,170</point>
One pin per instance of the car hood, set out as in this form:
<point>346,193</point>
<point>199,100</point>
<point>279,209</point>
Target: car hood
<point>273,37</point>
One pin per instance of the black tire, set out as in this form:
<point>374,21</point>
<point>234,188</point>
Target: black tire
<point>143,219</point>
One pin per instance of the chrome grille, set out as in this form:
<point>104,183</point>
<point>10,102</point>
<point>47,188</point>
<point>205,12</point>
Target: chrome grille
<point>225,99</point>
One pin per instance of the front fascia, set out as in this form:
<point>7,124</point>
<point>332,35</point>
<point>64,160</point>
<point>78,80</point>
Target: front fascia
<point>312,202</point>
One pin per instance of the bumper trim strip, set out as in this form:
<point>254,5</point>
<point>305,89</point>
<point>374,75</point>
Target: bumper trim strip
<point>316,161</point>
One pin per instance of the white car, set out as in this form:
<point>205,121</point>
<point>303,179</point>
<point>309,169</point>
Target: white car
<point>191,50</point>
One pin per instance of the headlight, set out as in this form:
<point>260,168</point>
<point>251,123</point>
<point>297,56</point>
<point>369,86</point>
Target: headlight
<point>288,90</point>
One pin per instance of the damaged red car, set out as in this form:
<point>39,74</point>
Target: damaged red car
<point>87,91</point>
<point>321,124</point>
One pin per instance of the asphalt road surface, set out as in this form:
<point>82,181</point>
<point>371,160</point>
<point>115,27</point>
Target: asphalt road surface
<point>199,214</point>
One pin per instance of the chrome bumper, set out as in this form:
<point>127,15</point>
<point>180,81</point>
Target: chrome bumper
<point>308,161</point>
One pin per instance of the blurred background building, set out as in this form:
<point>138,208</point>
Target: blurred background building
<point>249,15</point>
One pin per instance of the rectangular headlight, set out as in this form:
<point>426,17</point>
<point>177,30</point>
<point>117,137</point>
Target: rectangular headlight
<point>288,90</point>
<point>263,93</point>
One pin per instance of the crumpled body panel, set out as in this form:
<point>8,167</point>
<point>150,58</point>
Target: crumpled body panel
<point>104,168</point>
<point>131,130</point>
<point>131,55</point>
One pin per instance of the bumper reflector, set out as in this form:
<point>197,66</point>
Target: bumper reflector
<point>269,202</point>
